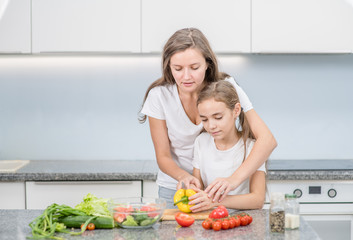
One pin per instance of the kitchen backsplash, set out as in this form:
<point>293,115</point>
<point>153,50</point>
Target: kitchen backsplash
<point>86,107</point>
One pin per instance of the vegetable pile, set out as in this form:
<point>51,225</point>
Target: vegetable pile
<point>143,216</point>
<point>56,218</point>
<point>227,222</point>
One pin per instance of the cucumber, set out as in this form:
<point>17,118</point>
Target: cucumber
<point>77,221</point>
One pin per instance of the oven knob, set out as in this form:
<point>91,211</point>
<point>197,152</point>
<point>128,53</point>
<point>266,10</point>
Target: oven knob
<point>298,192</point>
<point>332,193</point>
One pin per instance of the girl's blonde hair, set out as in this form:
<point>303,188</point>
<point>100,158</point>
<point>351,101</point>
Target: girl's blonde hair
<point>180,41</point>
<point>223,91</point>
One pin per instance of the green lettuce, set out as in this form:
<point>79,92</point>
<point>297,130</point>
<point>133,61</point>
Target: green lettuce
<point>94,206</point>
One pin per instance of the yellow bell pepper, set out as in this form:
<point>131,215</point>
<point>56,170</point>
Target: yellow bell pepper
<point>181,199</point>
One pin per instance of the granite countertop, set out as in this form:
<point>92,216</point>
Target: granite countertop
<point>14,226</point>
<point>116,170</point>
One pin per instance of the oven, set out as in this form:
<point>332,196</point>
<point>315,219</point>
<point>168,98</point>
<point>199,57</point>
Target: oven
<point>327,205</point>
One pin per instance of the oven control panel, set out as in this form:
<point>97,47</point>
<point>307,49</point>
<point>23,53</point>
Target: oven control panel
<point>314,191</point>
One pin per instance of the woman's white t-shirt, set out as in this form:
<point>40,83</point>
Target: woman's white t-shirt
<point>214,163</point>
<point>163,103</point>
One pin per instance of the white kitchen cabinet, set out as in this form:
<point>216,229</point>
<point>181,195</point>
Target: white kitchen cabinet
<point>150,189</point>
<point>302,26</point>
<point>12,195</point>
<point>226,23</point>
<point>86,26</point>
<point>15,26</point>
<point>40,195</point>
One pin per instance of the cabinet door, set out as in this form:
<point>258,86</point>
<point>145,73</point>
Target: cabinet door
<point>150,189</point>
<point>226,23</point>
<point>86,25</point>
<point>302,26</point>
<point>12,195</point>
<point>40,195</point>
<point>15,26</point>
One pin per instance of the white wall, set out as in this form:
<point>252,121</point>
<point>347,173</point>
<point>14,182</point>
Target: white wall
<point>70,107</point>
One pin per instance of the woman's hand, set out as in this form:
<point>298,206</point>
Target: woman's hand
<point>219,189</point>
<point>188,181</point>
<point>201,201</point>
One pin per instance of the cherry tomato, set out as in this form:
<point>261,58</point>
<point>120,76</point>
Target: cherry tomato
<point>82,226</point>
<point>237,222</point>
<point>249,219</point>
<point>231,222</point>
<point>207,224</point>
<point>216,225</point>
<point>184,220</point>
<point>91,226</point>
<point>243,221</point>
<point>219,212</point>
<point>225,224</point>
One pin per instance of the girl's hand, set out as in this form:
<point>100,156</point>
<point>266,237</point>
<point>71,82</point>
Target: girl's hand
<point>219,189</point>
<point>188,181</point>
<point>201,201</point>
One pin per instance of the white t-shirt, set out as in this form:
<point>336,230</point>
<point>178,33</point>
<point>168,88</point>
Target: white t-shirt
<point>214,163</point>
<point>163,103</point>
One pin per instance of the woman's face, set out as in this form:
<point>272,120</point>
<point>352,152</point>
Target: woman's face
<point>188,68</point>
<point>217,118</point>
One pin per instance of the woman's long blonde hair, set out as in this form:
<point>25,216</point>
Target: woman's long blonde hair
<point>180,41</point>
<point>223,91</point>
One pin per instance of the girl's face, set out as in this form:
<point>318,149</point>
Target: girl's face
<point>218,119</point>
<point>188,68</point>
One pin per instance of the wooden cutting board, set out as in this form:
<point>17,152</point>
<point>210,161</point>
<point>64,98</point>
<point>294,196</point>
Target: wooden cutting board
<point>168,214</point>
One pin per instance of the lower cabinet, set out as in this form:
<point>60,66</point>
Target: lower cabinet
<point>12,195</point>
<point>39,195</point>
<point>150,189</point>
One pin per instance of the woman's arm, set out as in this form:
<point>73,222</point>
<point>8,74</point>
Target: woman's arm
<point>264,145</point>
<point>253,200</point>
<point>159,134</point>
<point>196,173</point>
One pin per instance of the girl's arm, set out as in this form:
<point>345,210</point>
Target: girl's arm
<point>253,200</point>
<point>159,134</point>
<point>264,145</point>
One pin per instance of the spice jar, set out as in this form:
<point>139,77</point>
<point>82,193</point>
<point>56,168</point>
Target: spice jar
<point>291,212</point>
<point>276,217</point>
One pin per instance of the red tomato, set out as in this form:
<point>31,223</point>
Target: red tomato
<point>219,212</point>
<point>119,217</point>
<point>225,224</point>
<point>217,225</point>
<point>91,226</point>
<point>237,222</point>
<point>184,220</point>
<point>207,224</point>
<point>243,221</point>
<point>249,219</point>
<point>151,211</point>
<point>231,222</point>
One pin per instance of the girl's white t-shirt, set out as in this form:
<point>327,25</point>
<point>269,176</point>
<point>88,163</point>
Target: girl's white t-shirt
<point>163,103</point>
<point>214,163</point>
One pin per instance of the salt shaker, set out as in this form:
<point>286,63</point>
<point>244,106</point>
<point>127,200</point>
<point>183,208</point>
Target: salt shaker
<point>291,210</point>
<point>276,218</point>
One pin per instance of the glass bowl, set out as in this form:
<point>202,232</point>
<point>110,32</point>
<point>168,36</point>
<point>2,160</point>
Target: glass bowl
<point>136,212</point>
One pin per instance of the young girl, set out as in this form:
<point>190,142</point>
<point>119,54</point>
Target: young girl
<point>222,149</point>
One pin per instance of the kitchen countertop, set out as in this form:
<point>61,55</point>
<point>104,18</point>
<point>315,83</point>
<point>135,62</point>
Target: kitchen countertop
<point>14,226</point>
<point>116,170</point>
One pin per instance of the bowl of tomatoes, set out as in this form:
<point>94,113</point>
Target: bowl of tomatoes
<point>136,212</point>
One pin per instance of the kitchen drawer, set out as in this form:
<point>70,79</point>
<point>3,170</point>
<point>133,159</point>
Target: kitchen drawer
<point>40,195</point>
<point>12,195</point>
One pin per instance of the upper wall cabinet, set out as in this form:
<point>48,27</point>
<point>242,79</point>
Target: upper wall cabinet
<point>86,26</point>
<point>226,23</point>
<point>302,26</point>
<point>15,26</point>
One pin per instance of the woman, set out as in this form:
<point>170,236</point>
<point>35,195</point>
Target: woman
<point>189,64</point>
